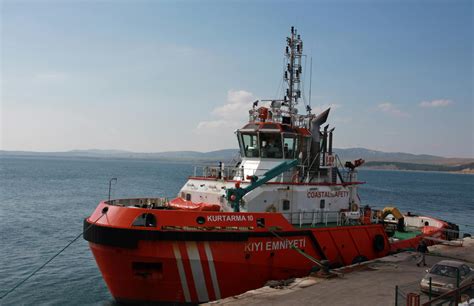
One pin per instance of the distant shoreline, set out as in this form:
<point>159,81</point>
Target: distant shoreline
<point>465,168</point>
<point>469,172</point>
<point>369,166</point>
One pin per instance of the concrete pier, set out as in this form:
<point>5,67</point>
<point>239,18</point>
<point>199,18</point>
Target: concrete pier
<point>371,283</point>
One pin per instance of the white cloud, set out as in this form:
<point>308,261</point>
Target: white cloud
<point>238,102</point>
<point>230,115</point>
<point>391,109</point>
<point>436,103</point>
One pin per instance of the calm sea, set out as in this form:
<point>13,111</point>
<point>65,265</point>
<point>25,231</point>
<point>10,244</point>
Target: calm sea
<point>43,202</point>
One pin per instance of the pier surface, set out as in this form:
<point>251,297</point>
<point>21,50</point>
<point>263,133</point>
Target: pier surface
<point>371,283</point>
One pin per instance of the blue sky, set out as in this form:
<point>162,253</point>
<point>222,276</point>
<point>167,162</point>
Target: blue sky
<point>151,76</point>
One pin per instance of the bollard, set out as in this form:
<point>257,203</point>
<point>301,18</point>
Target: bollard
<point>457,278</point>
<point>430,292</point>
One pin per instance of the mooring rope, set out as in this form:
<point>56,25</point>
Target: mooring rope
<point>104,211</point>
<point>303,253</point>
<point>311,258</point>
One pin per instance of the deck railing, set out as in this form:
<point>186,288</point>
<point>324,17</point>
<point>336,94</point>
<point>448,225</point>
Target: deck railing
<point>297,174</point>
<point>316,217</point>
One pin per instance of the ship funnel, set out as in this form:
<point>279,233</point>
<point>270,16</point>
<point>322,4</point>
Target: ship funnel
<point>321,118</point>
<point>316,138</point>
<point>317,122</point>
<point>330,140</point>
<point>325,139</point>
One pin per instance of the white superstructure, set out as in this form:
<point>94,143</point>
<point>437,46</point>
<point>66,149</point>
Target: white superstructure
<point>319,189</point>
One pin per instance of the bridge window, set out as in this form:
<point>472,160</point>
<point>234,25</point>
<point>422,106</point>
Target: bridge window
<point>289,147</point>
<point>271,145</point>
<point>249,147</point>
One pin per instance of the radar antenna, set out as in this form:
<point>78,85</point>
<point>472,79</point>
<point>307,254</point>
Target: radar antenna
<point>293,72</point>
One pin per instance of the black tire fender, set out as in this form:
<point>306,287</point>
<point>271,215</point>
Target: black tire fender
<point>379,243</point>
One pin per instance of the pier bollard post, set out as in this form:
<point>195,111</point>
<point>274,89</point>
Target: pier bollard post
<point>396,295</point>
<point>430,292</point>
<point>457,295</point>
<point>457,278</point>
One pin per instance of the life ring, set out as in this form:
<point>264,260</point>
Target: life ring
<point>379,243</point>
<point>354,207</point>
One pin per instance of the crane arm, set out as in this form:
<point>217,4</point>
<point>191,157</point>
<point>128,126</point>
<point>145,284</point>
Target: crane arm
<point>235,195</point>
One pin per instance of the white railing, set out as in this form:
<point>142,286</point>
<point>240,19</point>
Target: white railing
<point>231,172</point>
<point>215,172</point>
<point>313,218</point>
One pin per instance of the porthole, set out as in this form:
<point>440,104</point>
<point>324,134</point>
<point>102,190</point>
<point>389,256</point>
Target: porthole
<point>201,220</point>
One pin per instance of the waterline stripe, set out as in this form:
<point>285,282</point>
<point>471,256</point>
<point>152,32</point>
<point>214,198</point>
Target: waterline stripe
<point>182,274</point>
<point>196,268</point>
<point>212,268</point>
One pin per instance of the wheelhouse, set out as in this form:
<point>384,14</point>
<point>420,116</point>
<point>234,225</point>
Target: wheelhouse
<point>272,140</point>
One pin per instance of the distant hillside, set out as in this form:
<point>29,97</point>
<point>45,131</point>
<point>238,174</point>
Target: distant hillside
<point>224,155</point>
<point>231,154</point>
<point>373,155</point>
<point>466,168</point>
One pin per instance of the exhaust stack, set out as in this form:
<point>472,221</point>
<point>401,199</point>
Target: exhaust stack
<point>330,140</point>
<point>316,139</point>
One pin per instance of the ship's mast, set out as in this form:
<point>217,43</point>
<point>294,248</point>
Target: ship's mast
<point>294,53</point>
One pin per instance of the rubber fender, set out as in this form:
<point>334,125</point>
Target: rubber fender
<point>379,243</point>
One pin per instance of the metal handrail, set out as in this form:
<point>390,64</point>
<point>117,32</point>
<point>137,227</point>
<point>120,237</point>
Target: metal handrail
<point>230,171</point>
<point>316,217</point>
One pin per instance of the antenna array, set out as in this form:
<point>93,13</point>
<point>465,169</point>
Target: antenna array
<point>293,72</point>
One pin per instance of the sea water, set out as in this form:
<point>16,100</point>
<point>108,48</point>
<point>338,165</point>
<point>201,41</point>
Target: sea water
<point>43,202</point>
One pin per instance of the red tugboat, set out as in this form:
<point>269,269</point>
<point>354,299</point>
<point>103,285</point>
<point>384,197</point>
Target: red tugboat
<point>287,207</point>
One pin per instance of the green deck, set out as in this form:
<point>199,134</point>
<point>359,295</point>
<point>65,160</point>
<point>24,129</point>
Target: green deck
<point>406,235</point>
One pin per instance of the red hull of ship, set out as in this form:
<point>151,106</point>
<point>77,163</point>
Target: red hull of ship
<point>176,262</point>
